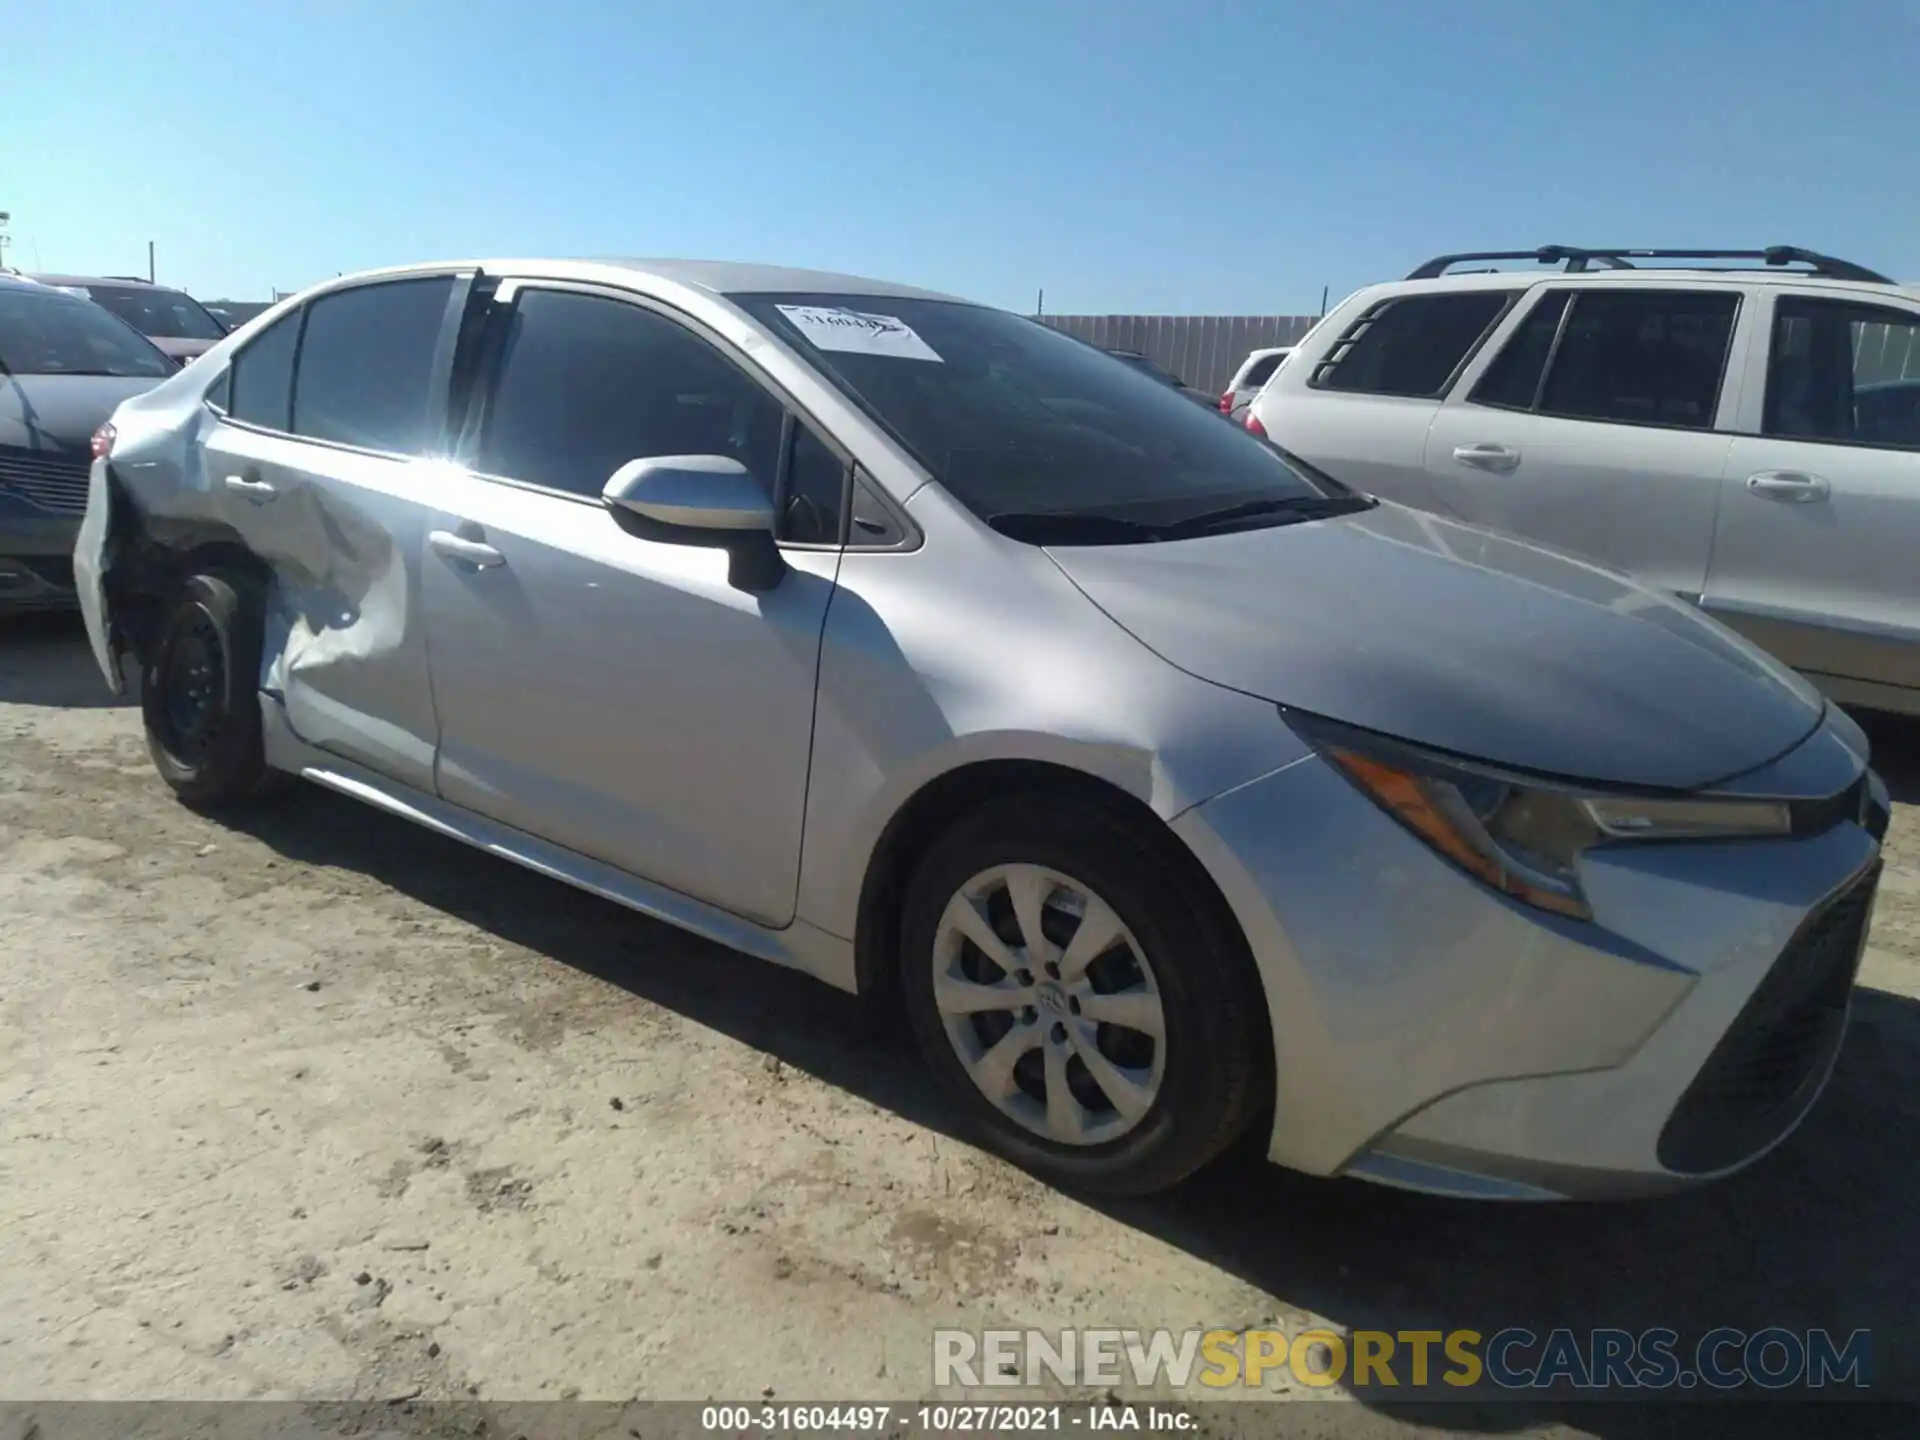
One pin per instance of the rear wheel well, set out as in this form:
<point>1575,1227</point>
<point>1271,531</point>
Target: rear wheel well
<point>155,562</point>
<point>936,806</point>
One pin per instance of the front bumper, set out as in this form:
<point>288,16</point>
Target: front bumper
<point>92,549</point>
<point>36,560</point>
<point>1433,1035</point>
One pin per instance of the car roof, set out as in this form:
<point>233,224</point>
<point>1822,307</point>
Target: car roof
<point>1525,279</point>
<point>99,280</point>
<point>717,277</point>
<point>730,277</point>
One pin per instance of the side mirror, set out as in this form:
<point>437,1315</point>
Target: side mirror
<point>691,492</point>
<point>701,500</point>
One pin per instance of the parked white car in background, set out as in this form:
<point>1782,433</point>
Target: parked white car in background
<point>1748,439</point>
<point>1254,372</point>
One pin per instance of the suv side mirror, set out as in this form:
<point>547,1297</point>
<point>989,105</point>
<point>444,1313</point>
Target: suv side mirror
<point>701,499</point>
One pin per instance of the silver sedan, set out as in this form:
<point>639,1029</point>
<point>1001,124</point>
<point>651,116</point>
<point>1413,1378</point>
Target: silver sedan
<point>1165,784</point>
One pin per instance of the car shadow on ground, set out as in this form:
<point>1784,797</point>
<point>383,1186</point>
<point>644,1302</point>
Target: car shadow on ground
<point>1818,1235</point>
<point>45,660</point>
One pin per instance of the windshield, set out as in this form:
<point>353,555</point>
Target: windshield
<point>1016,419</point>
<point>167,313</point>
<point>43,332</point>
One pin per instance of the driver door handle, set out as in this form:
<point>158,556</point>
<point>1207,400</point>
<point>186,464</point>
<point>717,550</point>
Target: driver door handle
<point>260,491</point>
<point>1796,487</point>
<point>1501,459</point>
<point>476,553</point>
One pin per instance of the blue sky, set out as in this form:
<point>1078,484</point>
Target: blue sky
<point>1204,157</point>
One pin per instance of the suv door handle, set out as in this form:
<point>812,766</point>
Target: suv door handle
<point>1796,487</point>
<point>457,547</point>
<point>257,490</point>
<point>1498,458</point>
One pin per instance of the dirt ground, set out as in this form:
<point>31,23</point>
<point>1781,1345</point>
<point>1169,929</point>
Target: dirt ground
<point>312,1103</point>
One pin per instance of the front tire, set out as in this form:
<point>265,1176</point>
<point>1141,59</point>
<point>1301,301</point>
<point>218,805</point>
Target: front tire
<point>199,694</point>
<point>1088,1006</point>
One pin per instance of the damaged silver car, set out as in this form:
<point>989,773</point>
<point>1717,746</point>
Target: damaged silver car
<point>1165,785</point>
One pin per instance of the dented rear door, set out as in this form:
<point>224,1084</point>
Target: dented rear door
<point>336,502</point>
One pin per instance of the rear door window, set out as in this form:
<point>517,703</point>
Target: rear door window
<point>1513,379</point>
<point>261,387</point>
<point>1647,357</point>
<point>1411,345</point>
<point>365,376</point>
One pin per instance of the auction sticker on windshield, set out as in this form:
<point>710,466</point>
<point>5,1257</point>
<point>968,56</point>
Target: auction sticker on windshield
<point>829,327</point>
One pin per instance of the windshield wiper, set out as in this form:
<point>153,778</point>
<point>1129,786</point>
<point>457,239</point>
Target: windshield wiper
<point>1283,509</point>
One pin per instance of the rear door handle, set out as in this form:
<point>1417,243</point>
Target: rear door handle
<point>1498,458</point>
<point>256,490</point>
<point>1796,487</point>
<point>476,553</point>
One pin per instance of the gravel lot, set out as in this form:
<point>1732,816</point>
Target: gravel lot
<point>315,1104</point>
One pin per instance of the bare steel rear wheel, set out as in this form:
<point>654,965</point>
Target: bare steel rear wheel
<point>200,693</point>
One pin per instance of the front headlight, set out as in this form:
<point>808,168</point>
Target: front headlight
<point>1521,835</point>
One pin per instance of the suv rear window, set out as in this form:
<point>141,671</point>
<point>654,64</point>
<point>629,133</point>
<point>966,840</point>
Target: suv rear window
<point>1412,344</point>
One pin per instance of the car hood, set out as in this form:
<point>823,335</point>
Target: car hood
<point>1459,639</point>
<point>61,412</point>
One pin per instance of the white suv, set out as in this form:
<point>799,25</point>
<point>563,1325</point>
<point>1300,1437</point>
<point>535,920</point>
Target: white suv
<point>1747,438</point>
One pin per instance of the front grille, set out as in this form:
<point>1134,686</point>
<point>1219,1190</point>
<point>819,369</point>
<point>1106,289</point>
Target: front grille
<point>1773,1059</point>
<point>49,479</point>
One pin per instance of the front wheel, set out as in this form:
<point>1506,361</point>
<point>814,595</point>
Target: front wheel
<point>1092,1012</point>
<point>199,694</point>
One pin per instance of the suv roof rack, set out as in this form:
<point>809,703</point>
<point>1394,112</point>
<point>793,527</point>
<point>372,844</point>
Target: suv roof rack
<point>1574,258</point>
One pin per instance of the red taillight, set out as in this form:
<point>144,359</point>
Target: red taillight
<point>1253,424</point>
<point>1226,402</point>
<point>102,443</point>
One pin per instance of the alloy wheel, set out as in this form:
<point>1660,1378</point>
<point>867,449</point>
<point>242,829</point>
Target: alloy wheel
<point>1050,1004</point>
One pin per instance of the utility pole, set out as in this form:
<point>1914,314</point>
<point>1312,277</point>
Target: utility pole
<point>1040,304</point>
<point>1323,302</point>
<point>149,262</point>
<point>4,218</point>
